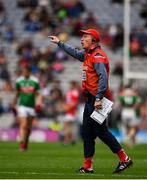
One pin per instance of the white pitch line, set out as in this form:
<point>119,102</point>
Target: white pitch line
<point>73,174</point>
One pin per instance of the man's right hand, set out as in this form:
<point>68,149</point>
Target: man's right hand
<point>54,39</point>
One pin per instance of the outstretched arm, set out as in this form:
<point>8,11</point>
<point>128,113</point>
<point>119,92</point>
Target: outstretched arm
<point>54,39</point>
<point>68,48</point>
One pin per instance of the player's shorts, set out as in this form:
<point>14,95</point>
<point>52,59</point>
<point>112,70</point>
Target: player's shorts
<point>69,118</point>
<point>129,117</point>
<point>24,111</point>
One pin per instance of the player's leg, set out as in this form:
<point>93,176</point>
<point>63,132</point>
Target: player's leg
<point>107,137</point>
<point>89,142</point>
<point>124,124</point>
<point>25,130</point>
<point>134,126</point>
<point>68,127</point>
<point>23,133</point>
<point>132,133</point>
<point>29,127</point>
<point>25,123</point>
<point>67,132</point>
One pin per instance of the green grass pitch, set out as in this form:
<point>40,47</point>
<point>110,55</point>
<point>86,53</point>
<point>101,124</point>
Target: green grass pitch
<point>55,161</point>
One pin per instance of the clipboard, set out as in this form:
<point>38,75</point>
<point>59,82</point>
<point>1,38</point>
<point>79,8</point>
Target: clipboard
<point>101,114</point>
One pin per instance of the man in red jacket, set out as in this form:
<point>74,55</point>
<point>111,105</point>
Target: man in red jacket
<point>95,87</point>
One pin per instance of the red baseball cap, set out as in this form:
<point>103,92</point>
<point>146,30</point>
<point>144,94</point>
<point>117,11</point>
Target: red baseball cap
<point>92,32</point>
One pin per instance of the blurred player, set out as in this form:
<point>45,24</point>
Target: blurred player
<point>130,102</point>
<point>72,101</point>
<point>29,99</point>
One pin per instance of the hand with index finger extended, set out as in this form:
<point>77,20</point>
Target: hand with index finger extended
<point>54,39</point>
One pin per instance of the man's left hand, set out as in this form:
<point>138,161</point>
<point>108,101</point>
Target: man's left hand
<point>98,104</point>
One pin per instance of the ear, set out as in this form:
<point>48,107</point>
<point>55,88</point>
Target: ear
<point>93,41</point>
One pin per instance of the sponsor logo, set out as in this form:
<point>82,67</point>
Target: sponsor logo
<point>27,89</point>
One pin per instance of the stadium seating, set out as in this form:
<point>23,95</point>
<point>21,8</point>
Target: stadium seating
<point>15,15</point>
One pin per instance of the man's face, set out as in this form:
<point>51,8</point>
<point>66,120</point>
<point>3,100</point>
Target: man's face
<point>26,73</point>
<point>86,41</point>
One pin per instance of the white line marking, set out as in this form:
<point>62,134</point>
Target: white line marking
<point>73,174</point>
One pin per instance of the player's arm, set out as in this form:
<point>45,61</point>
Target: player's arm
<point>103,79</point>
<point>15,100</point>
<point>39,99</point>
<point>16,96</point>
<point>78,54</point>
<point>138,102</point>
<point>68,107</point>
<point>120,100</point>
<point>100,68</point>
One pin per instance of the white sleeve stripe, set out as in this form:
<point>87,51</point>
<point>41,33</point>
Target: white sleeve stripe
<point>99,56</point>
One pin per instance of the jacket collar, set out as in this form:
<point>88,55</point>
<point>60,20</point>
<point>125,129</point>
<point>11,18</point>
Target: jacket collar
<point>92,50</point>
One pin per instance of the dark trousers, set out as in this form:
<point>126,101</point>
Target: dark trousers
<point>91,129</point>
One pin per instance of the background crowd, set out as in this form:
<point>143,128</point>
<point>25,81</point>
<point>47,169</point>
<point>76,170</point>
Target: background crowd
<point>24,27</point>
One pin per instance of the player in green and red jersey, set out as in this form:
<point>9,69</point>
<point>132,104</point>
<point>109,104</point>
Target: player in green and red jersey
<point>130,102</point>
<point>28,99</point>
